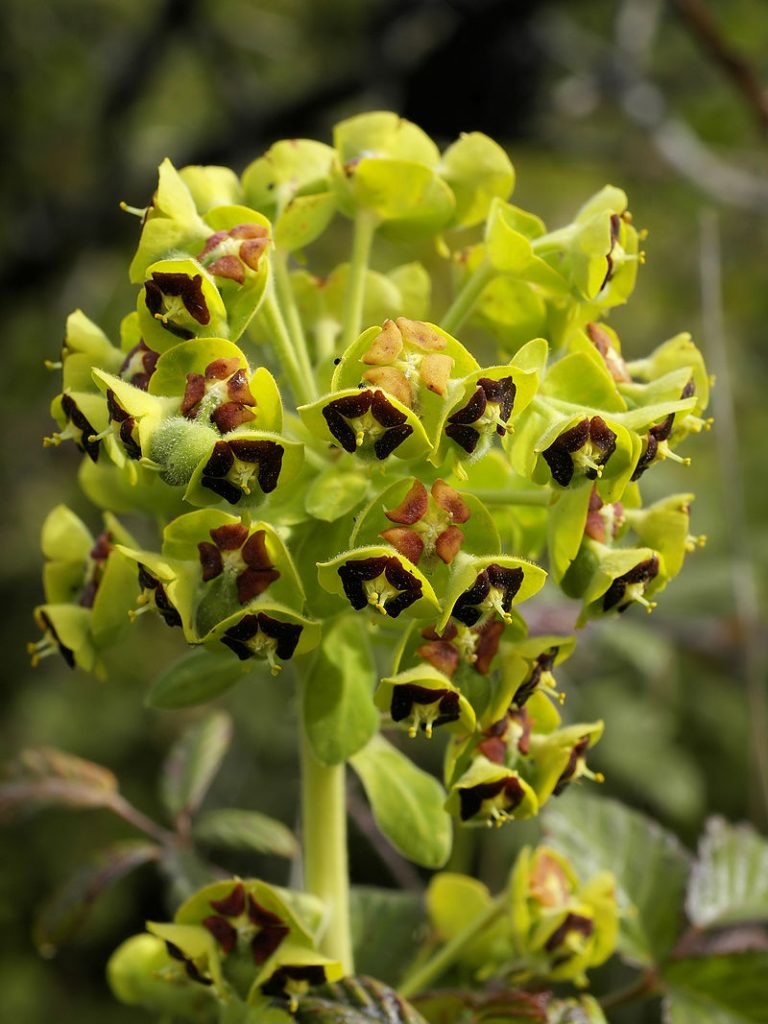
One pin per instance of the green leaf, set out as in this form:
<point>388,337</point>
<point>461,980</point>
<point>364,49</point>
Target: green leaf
<point>194,679</point>
<point>67,910</point>
<point>731,989</point>
<point>339,714</point>
<point>649,864</point>
<point>507,1007</point>
<point>356,1000</point>
<point>729,881</point>
<point>244,830</point>
<point>407,803</point>
<point>387,926</point>
<point>43,776</point>
<point>478,170</point>
<point>334,494</point>
<point>193,762</point>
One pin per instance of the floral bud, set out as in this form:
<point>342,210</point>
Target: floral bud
<point>141,972</point>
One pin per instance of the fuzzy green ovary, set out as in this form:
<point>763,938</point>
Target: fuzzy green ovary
<point>177,446</point>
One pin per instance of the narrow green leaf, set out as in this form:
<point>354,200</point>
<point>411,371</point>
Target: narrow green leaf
<point>67,910</point>
<point>42,776</point>
<point>193,762</point>
<point>730,989</point>
<point>244,830</point>
<point>650,866</point>
<point>729,881</point>
<point>339,714</point>
<point>356,1000</point>
<point>194,679</point>
<point>387,929</point>
<point>407,803</point>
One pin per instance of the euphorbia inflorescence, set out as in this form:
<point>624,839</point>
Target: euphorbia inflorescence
<point>316,449</point>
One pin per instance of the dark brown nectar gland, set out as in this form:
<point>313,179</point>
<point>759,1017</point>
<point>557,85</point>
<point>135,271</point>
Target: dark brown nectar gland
<point>221,395</point>
<point>426,525</point>
<point>491,594</point>
<point>631,586</point>
<point>50,643</point>
<point>539,678</point>
<point>380,581</point>
<point>127,426</point>
<point>492,801</point>
<point>94,569</point>
<point>426,708</point>
<point>238,555</point>
<point>139,365</point>
<point>240,917</point>
<point>367,419</point>
<point>153,595</point>
<point>231,254</point>
<point>582,450</point>
<point>234,466</point>
<point>177,301</point>
<point>487,412</point>
<point>406,355</point>
<point>78,428</point>
<point>456,644</point>
<point>258,635</point>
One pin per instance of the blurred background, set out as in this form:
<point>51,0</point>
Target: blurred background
<point>667,99</point>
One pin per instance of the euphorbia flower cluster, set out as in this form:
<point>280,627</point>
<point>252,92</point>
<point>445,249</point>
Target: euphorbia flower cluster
<point>318,447</point>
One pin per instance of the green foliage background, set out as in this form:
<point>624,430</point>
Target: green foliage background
<point>97,93</point>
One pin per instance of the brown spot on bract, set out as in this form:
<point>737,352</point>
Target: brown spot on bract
<point>416,332</point>
<point>222,368</point>
<point>251,251</point>
<point>230,536</point>
<point>440,653</point>
<point>386,346</point>
<point>412,508</point>
<point>230,415</point>
<point>210,559</point>
<point>229,267</point>
<point>435,371</point>
<point>194,393</point>
<point>392,380</point>
<point>233,904</point>
<point>451,501</point>
<point>448,544</point>
<point>408,543</point>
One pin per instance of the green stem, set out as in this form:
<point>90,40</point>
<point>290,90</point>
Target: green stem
<point>281,342</point>
<point>290,310</point>
<point>437,965</point>
<point>465,301</point>
<point>324,836</point>
<point>540,498</point>
<point>326,333</point>
<point>644,988</point>
<point>362,241</point>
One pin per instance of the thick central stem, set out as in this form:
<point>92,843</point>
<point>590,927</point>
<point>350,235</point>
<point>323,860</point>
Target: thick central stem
<point>324,832</point>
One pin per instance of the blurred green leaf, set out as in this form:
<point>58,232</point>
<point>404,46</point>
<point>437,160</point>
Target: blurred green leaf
<point>244,830</point>
<point>407,803</point>
<point>649,864</point>
<point>729,881</point>
<point>386,930</point>
<point>194,679</point>
<point>356,1000</point>
<point>193,762</point>
<point>332,495</point>
<point>339,714</point>
<point>66,911</point>
<point>730,989</point>
<point>42,776</point>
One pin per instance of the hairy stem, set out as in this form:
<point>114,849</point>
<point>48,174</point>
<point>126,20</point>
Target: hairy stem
<point>445,957</point>
<point>365,229</point>
<point>467,298</point>
<point>290,310</point>
<point>324,837</point>
<point>301,384</point>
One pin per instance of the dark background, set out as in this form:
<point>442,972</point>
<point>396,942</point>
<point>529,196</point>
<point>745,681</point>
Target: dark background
<point>663,99</point>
